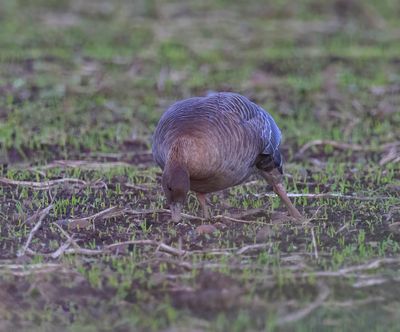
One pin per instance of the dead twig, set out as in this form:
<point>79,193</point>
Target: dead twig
<point>115,246</point>
<point>70,240</point>
<point>188,216</point>
<point>191,217</point>
<point>217,217</point>
<point>328,195</point>
<point>393,156</point>
<point>160,246</point>
<point>344,146</point>
<point>98,184</point>
<point>381,90</point>
<point>63,232</point>
<point>222,217</point>
<point>347,272</point>
<point>248,213</point>
<point>111,212</point>
<point>216,252</point>
<point>314,242</point>
<point>353,270</point>
<point>84,164</point>
<point>342,228</point>
<point>139,187</point>
<point>45,185</point>
<point>245,249</point>
<point>375,264</point>
<point>300,314</point>
<point>60,251</point>
<point>371,282</point>
<point>21,270</point>
<point>355,303</point>
<point>41,215</point>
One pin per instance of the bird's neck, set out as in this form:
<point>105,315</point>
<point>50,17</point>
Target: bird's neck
<point>176,174</point>
<point>173,172</point>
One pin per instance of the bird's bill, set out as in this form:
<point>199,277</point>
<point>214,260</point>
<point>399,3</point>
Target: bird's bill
<point>176,209</point>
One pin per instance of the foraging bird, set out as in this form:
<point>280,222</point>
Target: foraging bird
<point>210,143</point>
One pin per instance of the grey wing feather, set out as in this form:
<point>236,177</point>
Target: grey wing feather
<point>259,119</point>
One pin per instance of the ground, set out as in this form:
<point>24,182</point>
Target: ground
<point>85,241</point>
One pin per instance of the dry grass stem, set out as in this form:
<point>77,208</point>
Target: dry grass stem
<point>344,146</point>
<point>245,249</point>
<point>368,282</point>
<point>356,303</point>
<point>111,212</point>
<point>45,185</point>
<point>139,187</point>
<point>327,195</point>
<point>22,270</point>
<point>300,314</point>
<point>160,246</point>
<point>222,217</point>
<point>112,248</point>
<point>41,215</point>
<point>83,164</point>
<point>393,156</point>
<point>351,270</point>
<point>60,251</point>
<point>314,242</point>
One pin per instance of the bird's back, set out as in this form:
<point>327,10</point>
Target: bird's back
<point>221,136</point>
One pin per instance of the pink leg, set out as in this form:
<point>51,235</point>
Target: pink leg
<point>201,197</point>
<point>274,178</point>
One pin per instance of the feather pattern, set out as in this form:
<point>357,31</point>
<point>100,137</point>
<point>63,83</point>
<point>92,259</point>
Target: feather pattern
<point>220,138</point>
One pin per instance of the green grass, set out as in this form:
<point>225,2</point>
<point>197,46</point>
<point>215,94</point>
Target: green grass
<point>88,81</point>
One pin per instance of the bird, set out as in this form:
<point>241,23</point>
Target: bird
<point>207,144</point>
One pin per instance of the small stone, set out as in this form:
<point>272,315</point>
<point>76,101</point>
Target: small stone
<point>206,229</point>
<point>264,233</point>
<point>281,218</point>
<point>393,188</point>
<point>220,226</point>
<point>373,244</point>
<point>395,227</point>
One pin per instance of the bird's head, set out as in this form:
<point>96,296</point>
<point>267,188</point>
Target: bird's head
<point>176,184</point>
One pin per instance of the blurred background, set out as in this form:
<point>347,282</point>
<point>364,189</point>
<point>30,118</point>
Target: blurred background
<point>78,77</point>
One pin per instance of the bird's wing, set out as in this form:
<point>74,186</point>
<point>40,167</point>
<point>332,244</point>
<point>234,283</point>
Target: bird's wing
<point>257,118</point>
<point>168,126</point>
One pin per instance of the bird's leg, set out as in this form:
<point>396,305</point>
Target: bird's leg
<point>201,197</point>
<point>274,178</point>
